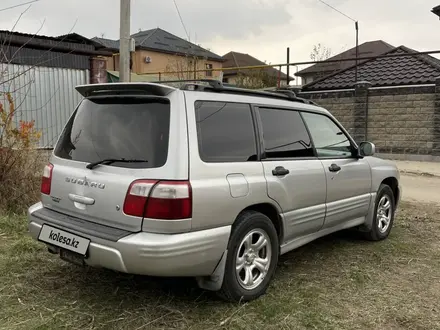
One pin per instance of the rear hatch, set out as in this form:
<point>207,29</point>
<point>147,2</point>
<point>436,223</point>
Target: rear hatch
<point>119,128</point>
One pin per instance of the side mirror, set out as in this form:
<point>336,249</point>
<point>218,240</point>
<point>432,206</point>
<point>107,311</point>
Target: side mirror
<point>367,149</point>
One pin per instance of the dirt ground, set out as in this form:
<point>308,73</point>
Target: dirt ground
<point>337,282</point>
<point>420,188</point>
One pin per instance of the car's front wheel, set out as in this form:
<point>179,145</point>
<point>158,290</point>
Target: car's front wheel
<point>383,214</point>
<point>252,257</point>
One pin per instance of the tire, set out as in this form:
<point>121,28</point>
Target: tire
<point>381,228</point>
<point>250,228</point>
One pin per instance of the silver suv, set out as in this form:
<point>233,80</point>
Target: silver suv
<point>205,181</point>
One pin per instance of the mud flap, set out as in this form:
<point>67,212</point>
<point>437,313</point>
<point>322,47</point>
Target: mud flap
<point>366,227</point>
<point>215,281</point>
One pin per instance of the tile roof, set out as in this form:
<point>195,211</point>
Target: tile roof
<point>370,48</point>
<point>392,71</point>
<point>163,41</point>
<point>64,37</point>
<point>107,43</point>
<point>235,59</point>
<point>71,42</point>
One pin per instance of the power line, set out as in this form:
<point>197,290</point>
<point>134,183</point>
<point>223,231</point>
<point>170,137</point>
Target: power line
<point>19,5</point>
<point>181,19</point>
<point>356,26</point>
<point>340,12</point>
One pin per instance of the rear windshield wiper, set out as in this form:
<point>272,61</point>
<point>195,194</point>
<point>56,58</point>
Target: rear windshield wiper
<point>108,161</point>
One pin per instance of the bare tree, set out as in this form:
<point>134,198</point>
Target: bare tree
<point>185,67</point>
<point>256,79</point>
<point>320,53</point>
<point>20,161</point>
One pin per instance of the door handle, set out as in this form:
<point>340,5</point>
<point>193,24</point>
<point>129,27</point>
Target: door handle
<point>280,171</point>
<point>334,168</point>
<point>81,199</point>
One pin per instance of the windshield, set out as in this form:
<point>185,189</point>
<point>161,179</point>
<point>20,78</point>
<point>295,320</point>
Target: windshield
<point>116,128</point>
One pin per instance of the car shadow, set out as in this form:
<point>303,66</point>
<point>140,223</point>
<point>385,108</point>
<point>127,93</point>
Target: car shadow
<point>93,283</point>
<point>327,245</point>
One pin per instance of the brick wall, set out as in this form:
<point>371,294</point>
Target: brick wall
<point>98,70</point>
<point>403,122</point>
<point>340,104</point>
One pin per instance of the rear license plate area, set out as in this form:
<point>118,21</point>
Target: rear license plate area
<point>64,240</point>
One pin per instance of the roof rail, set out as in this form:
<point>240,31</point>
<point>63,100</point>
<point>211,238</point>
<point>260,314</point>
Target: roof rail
<point>287,92</point>
<point>212,82</point>
<point>218,87</point>
<point>292,94</point>
<point>96,89</point>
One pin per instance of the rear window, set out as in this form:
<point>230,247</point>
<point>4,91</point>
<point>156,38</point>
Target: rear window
<point>118,127</point>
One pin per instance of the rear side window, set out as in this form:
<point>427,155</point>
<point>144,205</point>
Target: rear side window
<point>284,134</point>
<point>118,127</point>
<point>225,132</point>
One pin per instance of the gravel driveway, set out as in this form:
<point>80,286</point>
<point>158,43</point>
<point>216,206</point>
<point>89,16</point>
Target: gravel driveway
<point>420,188</point>
<point>420,181</point>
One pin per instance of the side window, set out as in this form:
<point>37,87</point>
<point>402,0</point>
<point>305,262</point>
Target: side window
<point>225,132</point>
<point>284,134</point>
<point>327,137</point>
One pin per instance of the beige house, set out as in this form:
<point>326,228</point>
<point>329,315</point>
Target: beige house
<point>251,78</point>
<point>163,55</point>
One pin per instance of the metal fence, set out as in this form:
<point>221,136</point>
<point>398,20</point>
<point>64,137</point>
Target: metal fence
<point>46,95</point>
<point>297,66</point>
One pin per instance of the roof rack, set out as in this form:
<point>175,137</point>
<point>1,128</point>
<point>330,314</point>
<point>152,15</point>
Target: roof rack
<point>287,92</point>
<point>218,87</point>
<point>212,82</point>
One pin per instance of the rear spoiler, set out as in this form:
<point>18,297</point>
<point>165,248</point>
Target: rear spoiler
<point>144,88</point>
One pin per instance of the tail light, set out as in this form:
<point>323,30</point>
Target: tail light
<point>46,180</point>
<point>167,200</point>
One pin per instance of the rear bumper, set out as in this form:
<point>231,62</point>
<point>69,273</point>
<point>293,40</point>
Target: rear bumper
<point>189,254</point>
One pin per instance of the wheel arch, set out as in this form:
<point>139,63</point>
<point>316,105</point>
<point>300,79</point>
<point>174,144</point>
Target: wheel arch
<point>215,281</point>
<point>393,183</point>
<point>272,212</point>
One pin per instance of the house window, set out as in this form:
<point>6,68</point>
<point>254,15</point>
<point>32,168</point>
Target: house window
<point>208,66</point>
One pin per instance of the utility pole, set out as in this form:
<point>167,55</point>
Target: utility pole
<point>288,67</point>
<point>356,26</point>
<point>124,42</point>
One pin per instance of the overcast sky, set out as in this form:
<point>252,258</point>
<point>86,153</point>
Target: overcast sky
<point>261,28</point>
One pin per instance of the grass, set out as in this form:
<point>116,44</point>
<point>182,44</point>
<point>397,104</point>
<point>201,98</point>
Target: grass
<point>338,282</point>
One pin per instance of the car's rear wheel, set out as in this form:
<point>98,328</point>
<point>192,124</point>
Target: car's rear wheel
<point>383,214</point>
<point>252,257</point>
